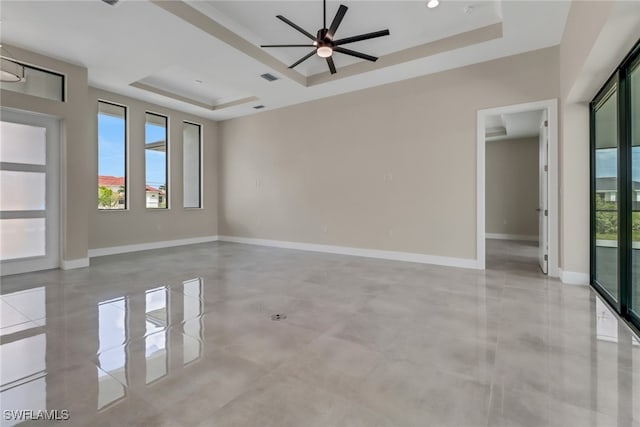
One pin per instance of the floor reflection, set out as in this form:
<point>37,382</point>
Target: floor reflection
<point>23,372</point>
<point>170,346</point>
<point>606,322</point>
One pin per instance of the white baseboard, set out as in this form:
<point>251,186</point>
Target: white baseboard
<point>113,250</point>
<point>72,264</point>
<point>361,252</point>
<point>500,236</point>
<point>573,278</point>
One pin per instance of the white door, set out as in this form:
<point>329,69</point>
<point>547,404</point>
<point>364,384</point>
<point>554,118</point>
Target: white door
<point>543,205</point>
<point>29,192</point>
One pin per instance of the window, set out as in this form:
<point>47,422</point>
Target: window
<point>615,189</point>
<point>112,156</point>
<point>605,117</point>
<point>632,79</point>
<point>38,82</point>
<point>192,171</point>
<point>156,161</point>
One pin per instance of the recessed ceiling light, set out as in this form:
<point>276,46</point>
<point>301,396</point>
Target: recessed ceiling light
<point>433,3</point>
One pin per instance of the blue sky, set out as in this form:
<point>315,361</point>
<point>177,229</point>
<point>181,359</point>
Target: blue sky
<point>111,150</point>
<point>606,163</point>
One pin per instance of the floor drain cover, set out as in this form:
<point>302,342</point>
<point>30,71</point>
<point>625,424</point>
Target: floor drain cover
<point>278,316</point>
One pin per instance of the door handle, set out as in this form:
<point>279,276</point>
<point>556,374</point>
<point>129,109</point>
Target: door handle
<point>538,209</point>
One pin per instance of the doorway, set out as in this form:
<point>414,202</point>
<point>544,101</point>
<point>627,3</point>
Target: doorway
<point>518,223</point>
<point>29,197</point>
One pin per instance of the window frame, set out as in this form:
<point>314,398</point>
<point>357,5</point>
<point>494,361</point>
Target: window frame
<point>200,165</point>
<point>63,78</point>
<point>127,171</point>
<point>166,163</point>
<point>620,80</point>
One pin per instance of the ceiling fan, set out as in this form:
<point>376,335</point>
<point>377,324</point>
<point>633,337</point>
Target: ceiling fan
<point>324,44</point>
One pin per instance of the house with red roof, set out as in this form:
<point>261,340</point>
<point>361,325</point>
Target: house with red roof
<point>155,197</point>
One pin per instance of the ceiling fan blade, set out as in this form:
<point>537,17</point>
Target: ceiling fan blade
<point>304,58</point>
<point>342,10</point>
<point>286,45</point>
<point>356,54</point>
<point>332,66</point>
<point>302,30</point>
<point>361,37</point>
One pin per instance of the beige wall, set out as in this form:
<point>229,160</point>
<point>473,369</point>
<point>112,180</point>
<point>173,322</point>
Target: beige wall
<point>390,168</point>
<point>139,224</point>
<point>83,227</point>
<point>597,36</point>
<point>584,23</point>
<point>75,150</point>
<point>512,187</point>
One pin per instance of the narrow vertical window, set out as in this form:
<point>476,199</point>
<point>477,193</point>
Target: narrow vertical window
<point>191,155</point>
<point>156,161</point>
<point>112,156</point>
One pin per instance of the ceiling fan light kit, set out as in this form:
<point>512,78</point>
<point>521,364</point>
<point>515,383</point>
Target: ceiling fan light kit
<point>324,44</point>
<point>324,51</point>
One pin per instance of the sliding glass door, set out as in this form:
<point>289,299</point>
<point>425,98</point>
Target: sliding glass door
<point>632,79</point>
<point>605,135</point>
<point>615,189</point>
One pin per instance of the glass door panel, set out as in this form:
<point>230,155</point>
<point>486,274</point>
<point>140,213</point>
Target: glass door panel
<point>634,92</point>
<point>28,192</point>
<point>606,192</point>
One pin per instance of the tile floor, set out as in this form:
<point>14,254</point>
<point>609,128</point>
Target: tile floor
<point>184,337</point>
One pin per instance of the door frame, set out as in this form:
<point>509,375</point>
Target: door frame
<point>551,106</point>
<point>53,242</point>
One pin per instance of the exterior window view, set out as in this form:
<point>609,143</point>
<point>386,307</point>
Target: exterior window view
<point>606,197</point>
<point>156,161</point>
<point>615,169</point>
<point>112,157</point>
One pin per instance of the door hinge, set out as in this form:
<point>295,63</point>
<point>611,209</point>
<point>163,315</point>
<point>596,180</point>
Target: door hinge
<point>546,168</point>
<point>546,123</point>
<point>546,212</point>
<point>546,257</point>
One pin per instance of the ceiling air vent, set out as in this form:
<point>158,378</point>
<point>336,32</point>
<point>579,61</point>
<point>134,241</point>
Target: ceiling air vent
<point>111,2</point>
<point>258,107</point>
<point>267,76</point>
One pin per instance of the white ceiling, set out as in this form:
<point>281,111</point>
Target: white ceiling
<point>410,23</point>
<point>516,125</point>
<point>137,41</point>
